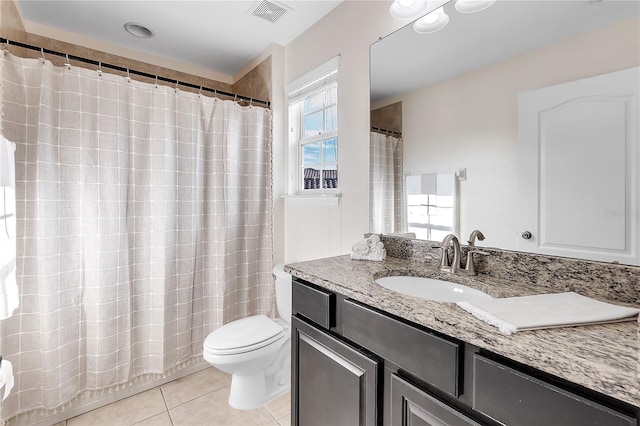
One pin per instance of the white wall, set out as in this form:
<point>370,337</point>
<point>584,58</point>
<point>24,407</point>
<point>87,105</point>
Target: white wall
<point>319,228</point>
<point>470,121</point>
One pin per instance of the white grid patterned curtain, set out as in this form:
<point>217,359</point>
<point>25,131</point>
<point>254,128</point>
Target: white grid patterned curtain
<point>143,223</point>
<point>388,212</point>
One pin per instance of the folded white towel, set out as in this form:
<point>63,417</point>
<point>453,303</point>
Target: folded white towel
<point>361,247</point>
<point>369,249</point>
<point>514,314</point>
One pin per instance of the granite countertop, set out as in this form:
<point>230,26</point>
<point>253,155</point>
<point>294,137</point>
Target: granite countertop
<point>604,358</point>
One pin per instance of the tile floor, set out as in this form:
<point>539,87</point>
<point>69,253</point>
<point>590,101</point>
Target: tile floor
<point>196,400</point>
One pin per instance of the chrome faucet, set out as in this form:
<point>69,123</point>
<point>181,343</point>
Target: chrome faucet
<point>445,265</point>
<point>453,266</point>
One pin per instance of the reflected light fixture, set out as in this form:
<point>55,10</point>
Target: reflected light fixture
<point>407,9</point>
<point>472,6</point>
<point>432,22</point>
<point>138,30</point>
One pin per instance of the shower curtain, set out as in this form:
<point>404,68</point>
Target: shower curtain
<point>143,223</point>
<point>388,212</point>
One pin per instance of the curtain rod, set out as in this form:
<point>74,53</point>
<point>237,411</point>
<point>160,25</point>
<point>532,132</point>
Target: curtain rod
<point>130,71</point>
<point>378,129</point>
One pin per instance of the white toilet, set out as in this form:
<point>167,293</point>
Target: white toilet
<point>256,351</point>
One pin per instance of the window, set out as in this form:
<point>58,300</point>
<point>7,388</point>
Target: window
<point>313,119</point>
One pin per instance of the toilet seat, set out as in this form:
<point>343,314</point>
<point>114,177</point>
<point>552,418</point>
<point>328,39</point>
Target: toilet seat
<point>244,335</point>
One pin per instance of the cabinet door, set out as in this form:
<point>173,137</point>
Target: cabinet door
<point>333,384</point>
<point>410,406</point>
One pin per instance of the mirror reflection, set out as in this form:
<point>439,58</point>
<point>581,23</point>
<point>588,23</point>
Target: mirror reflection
<point>447,102</point>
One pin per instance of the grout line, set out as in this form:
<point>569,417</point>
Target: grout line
<point>164,398</point>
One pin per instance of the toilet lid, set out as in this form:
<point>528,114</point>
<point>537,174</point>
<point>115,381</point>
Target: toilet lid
<point>243,335</point>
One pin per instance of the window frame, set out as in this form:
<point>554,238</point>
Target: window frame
<point>319,80</point>
<point>319,137</point>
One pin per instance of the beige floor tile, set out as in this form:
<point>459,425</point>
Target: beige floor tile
<point>63,423</point>
<point>190,387</point>
<point>285,421</point>
<point>212,409</point>
<point>125,412</point>
<point>161,419</point>
<point>280,407</point>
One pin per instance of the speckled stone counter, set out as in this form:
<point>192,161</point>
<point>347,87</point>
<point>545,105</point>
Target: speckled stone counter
<point>604,358</point>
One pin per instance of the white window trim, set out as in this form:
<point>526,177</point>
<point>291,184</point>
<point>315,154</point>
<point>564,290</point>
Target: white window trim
<point>317,80</point>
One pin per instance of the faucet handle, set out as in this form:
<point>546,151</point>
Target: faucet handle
<point>470,267</point>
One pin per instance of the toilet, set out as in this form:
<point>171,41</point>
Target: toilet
<point>256,351</point>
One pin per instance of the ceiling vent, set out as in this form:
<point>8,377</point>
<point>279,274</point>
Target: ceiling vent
<point>269,11</point>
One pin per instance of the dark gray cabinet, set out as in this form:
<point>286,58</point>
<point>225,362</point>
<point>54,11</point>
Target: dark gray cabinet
<point>515,398</point>
<point>356,365</point>
<point>333,383</point>
<point>411,406</point>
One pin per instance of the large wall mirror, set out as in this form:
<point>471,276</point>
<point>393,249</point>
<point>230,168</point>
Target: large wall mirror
<point>449,100</point>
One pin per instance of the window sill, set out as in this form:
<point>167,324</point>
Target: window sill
<point>326,198</point>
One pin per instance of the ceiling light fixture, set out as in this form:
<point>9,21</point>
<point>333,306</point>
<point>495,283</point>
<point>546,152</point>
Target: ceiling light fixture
<point>138,30</point>
<point>432,22</point>
<point>472,6</point>
<point>406,9</point>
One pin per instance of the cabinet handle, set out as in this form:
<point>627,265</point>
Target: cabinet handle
<point>526,235</point>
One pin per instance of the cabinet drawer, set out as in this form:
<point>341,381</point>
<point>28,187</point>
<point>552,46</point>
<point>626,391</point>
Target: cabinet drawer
<point>515,398</point>
<point>425,355</point>
<point>412,406</point>
<point>314,303</point>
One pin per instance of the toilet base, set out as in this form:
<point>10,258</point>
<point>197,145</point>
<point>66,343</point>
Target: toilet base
<point>252,391</point>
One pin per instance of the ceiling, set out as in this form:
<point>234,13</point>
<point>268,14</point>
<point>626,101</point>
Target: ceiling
<point>406,61</point>
<point>222,36</point>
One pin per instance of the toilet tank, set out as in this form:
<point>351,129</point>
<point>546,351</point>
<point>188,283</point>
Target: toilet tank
<point>283,292</point>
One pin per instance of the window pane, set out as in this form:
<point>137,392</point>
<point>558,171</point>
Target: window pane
<point>332,118</point>
<point>330,150</point>
<point>311,153</point>
<point>313,124</point>
<point>314,103</point>
<point>330,176</point>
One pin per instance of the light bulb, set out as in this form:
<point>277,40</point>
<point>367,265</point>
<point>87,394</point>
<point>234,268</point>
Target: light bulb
<point>407,9</point>
<point>431,22</point>
<point>472,6</point>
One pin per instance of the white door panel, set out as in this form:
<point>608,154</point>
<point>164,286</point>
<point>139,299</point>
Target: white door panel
<point>578,162</point>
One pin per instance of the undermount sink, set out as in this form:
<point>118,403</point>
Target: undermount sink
<point>431,289</point>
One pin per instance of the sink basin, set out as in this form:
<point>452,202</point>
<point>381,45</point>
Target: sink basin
<point>431,289</point>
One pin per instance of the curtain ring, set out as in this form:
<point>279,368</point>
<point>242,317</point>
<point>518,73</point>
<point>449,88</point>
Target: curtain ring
<point>176,88</point>
<point>128,76</point>
<point>67,63</point>
<point>42,53</point>
<point>156,85</point>
<point>200,92</point>
<point>250,103</point>
<point>99,70</point>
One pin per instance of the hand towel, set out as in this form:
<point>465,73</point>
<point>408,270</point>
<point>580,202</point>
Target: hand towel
<point>9,299</point>
<point>514,314</point>
<point>361,247</point>
<point>369,249</point>
<point>6,377</point>
<point>7,163</point>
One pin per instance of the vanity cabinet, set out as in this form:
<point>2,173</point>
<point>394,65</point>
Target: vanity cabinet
<point>411,406</point>
<point>334,383</point>
<point>356,365</point>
